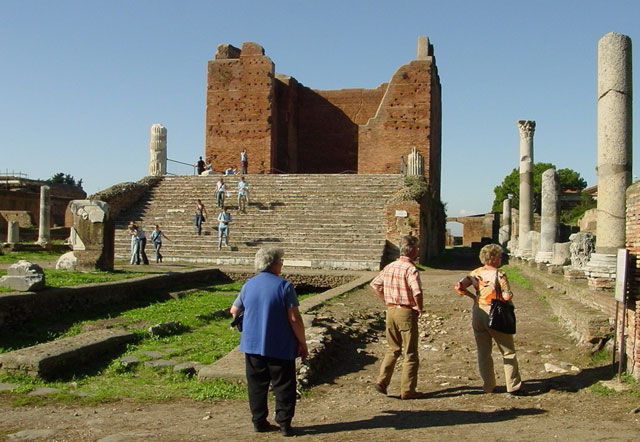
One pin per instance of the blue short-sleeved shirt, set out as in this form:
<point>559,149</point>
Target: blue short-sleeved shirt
<point>266,331</point>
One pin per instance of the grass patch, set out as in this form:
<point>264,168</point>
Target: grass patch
<point>516,278</point>
<point>601,390</point>
<point>203,341</point>
<point>65,278</point>
<point>553,318</point>
<point>602,356</point>
<point>40,255</point>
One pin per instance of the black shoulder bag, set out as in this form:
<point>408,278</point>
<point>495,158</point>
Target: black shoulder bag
<point>502,317</point>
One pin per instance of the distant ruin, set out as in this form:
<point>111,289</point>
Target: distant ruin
<point>287,127</point>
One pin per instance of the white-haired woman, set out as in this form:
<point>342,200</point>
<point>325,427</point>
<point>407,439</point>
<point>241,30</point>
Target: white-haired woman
<point>484,279</point>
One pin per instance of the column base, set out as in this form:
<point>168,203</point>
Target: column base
<point>601,271</point>
<point>544,256</point>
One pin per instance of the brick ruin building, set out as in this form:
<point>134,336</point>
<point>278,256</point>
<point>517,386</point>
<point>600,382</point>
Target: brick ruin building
<point>287,127</point>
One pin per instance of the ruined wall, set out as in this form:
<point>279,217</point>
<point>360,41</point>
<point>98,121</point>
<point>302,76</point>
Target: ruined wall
<point>289,128</point>
<point>25,197</point>
<point>632,312</point>
<point>409,116</point>
<point>477,227</point>
<point>240,108</point>
<point>317,131</point>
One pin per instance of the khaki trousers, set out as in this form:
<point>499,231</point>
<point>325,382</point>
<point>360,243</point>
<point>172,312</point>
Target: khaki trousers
<point>402,338</point>
<point>484,336</point>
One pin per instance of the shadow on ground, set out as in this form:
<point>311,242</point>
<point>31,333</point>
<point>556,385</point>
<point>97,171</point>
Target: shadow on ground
<point>409,420</point>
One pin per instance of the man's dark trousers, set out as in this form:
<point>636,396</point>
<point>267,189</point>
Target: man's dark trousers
<point>281,373</point>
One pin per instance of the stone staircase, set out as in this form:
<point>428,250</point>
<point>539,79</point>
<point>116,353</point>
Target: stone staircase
<point>321,221</point>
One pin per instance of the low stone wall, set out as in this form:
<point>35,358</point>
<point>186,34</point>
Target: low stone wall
<point>576,305</point>
<point>17,308</point>
<point>122,196</point>
<point>301,280</point>
<point>66,357</point>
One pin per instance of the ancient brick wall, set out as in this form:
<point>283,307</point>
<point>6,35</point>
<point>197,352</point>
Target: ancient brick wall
<point>632,312</point>
<point>240,108</point>
<point>407,117</point>
<point>289,128</point>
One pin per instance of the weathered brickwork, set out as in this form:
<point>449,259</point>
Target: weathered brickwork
<point>287,127</point>
<point>240,108</point>
<point>408,116</point>
<point>632,312</point>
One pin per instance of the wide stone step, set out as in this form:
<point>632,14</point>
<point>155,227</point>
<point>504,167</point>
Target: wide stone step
<point>318,219</point>
<point>66,356</point>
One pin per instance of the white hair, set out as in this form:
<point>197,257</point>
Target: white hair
<point>266,257</point>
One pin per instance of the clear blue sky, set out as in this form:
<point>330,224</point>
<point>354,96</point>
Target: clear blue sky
<point>82,81</point>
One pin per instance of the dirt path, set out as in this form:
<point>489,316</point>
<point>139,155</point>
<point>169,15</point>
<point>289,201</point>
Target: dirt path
<point>343,406</point>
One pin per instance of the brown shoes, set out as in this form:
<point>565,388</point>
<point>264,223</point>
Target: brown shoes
<point>414,395</point>
<point>380,388</point>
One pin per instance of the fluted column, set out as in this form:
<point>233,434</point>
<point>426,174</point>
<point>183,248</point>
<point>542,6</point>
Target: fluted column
<point>549,216</point>
<point>526,129</point>
<point>158,150</point>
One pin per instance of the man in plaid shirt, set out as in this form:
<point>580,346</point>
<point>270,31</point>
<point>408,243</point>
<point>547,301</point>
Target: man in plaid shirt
<point>398,285</point>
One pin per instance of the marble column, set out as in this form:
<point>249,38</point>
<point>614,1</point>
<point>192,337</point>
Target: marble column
<point>614,143</point>
<point>525,224</point>
<point>504,234</point>
<point>44,229</point>
<point>415,163</point>
<point>548,216</point>
<point>158,150</point>
<point>13,233</point>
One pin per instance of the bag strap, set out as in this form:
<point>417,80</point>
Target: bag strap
<point>498,287</point>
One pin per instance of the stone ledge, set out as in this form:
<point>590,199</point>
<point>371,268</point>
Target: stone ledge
<point>66,356</point>
<point>585,323</point>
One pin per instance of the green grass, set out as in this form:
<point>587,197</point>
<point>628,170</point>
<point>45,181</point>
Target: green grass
<point>40,255</point>
<point>601,390</point>
<point>516,278</point>
<point>202,341</point>
<point>65,278</point>
<point>602,356</point>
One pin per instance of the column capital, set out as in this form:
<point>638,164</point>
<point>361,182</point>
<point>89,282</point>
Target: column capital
<point>526,128</point>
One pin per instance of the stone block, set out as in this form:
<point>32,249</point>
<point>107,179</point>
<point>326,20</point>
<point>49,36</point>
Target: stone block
<point>24,276</point>
<point>92,235</point>
<point>561,254</point>
<point>67,356</point>
<point>68,261</point>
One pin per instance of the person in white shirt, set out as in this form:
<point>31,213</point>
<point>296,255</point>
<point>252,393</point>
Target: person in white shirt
<point>243,195</point>
<point>220,189</point>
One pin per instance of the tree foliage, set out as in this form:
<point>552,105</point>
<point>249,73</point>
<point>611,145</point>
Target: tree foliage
<point>62,178</point>
<point>568,179</point>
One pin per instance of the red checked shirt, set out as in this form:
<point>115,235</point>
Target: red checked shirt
<point>400,283</point>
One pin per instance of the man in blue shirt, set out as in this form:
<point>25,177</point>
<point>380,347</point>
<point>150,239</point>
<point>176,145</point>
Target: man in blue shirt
<point>272,338</point>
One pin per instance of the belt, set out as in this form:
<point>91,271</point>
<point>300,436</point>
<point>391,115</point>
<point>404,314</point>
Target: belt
<point>408,307</point>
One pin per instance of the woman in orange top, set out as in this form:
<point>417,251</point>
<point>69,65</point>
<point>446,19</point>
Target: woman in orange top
<point>483,279</point>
